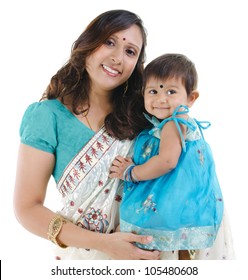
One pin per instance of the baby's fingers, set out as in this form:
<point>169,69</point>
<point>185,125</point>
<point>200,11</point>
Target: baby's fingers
<point>119,159</point>
<point>114,172</point>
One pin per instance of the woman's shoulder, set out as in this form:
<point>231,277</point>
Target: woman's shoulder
<point>38,126</point>
<point>45,111</point>
<point>39,113</point>
<point>45,106</point>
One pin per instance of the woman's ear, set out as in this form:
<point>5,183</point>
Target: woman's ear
<point>192,98</point>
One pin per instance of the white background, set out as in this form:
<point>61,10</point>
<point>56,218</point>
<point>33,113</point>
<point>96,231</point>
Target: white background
<point>36,39</point>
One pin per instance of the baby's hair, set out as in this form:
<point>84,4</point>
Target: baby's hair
<point>173,66</point>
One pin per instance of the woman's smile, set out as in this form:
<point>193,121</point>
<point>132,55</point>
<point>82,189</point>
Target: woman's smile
<point>110,71</point>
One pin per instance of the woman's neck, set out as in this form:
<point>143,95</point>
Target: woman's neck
<point>99,107</point>
<point>100,99</point>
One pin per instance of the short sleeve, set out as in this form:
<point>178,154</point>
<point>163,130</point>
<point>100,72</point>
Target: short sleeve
<point>38,127</point>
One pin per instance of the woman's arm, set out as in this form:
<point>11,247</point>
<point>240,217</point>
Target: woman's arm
<point>34,169</point>
<point>169,153</point>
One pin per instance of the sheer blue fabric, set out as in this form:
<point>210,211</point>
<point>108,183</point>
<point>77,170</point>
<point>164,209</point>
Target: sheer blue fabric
<point>182,209</point>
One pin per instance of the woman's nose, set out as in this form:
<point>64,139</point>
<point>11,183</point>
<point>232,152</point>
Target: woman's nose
<point>117,56</point>
<point>116,60</point>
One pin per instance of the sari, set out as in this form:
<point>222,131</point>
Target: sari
<point>91,200</point>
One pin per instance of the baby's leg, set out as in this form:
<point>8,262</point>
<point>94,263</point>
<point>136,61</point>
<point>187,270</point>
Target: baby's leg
<point>186,254</point>
<point>183,255</point>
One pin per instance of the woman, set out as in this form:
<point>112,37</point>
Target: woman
<point>89,113</point>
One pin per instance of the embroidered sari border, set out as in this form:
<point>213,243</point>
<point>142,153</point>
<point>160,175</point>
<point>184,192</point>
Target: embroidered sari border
<point>84,161</point>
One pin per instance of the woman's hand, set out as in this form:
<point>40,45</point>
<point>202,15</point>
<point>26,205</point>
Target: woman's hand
<point>119,246</point>
<point>118,167</point>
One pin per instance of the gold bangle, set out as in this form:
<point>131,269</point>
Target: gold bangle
<point>54,229</point>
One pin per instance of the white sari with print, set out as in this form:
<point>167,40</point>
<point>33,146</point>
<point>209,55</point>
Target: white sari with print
<point>90,198</point>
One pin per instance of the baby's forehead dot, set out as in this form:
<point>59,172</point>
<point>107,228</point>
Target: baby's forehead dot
<point>161,86</point>
<point>124,39</point>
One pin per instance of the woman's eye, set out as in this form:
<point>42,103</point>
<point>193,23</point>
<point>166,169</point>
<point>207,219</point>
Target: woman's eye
<point>109,42</point>
<point>171,91</point>
<point>130,52</point>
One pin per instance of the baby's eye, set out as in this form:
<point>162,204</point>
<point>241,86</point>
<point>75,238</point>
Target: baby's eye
<point>171,91</point>
<point>153,91</point>
<point>109,42</point>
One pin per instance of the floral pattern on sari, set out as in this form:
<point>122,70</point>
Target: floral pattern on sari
<point>94,220</point>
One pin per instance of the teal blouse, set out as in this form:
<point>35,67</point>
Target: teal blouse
<point>49,126</point>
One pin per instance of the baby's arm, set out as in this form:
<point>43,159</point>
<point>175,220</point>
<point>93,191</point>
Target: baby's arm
<point>169,153</point>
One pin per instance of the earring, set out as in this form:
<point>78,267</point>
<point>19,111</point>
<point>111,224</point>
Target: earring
<point>125,90</point>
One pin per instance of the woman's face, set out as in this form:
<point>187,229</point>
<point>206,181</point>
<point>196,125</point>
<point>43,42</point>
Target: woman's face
<point>112,63</point>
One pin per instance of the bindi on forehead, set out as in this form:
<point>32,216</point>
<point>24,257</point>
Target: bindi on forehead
<point>161,86</point>
<point>124,39</point>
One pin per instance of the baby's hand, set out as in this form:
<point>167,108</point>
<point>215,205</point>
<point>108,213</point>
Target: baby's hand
<point>119,165</point>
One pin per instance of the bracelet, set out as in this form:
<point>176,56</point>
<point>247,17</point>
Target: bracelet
<point>134,176</point>
<point>128,175</point>
<point>54,229</point>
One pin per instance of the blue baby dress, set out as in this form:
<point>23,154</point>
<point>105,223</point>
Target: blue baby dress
<point>182,209</point>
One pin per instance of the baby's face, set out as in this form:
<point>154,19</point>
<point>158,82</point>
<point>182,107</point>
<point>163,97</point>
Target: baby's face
<point>163,96</point>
